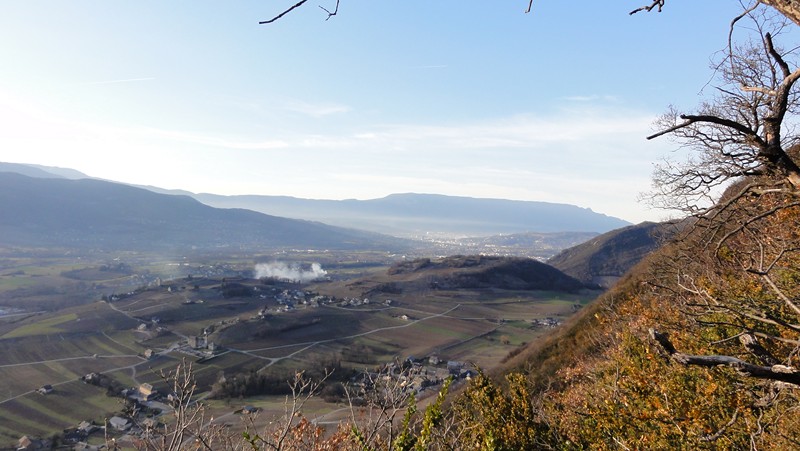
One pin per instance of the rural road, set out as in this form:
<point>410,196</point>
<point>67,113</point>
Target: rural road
<point>309,344</point>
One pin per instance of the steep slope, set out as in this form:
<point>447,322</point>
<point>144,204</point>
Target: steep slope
<point>96,214</point>
<point>695,348</point>
<point>604,259</point>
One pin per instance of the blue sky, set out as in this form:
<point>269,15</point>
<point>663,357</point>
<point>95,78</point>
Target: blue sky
<point>465,97</point>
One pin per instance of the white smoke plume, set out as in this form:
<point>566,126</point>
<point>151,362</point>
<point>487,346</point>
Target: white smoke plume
<point>291,272</point>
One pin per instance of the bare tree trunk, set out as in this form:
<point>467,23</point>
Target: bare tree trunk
<point>780,373</point>
<point>789,8</point>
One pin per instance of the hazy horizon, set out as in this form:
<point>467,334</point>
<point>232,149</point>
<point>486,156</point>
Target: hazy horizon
<point>453,98</point>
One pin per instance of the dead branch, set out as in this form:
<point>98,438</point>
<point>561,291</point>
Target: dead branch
<point>753,219</point>
<point>671,129</point>
<point>733,26</point>
<point>690,119</point>
<point>789,303</point>
<point>715,436</point>
<point>331,14</point>
<point>751,344</point>
<point>648,8</point>
<point>775,372</point>
<point>761,89</point>
<point>777,56</point>
<point>297,5</point>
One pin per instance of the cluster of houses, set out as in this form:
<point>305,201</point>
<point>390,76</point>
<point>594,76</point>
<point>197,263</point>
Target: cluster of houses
<point>27,443</point>
<point>203,344</point>
<point>417,375</point>
<point>288,299</point>
<point>355,302</point>
<point>79,437</point>
<point>152,327</point>
<point>45,389</point>
<point>409,379</point>
<point>546,322</point>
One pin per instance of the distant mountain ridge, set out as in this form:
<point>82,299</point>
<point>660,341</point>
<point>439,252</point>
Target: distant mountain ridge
<point>95,214</point>
<point>413,214</point>
<point>35,170</point>
<point>405,215</point>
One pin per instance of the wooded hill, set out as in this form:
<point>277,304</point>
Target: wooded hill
<point>603,260</point>
<point>464,272</point>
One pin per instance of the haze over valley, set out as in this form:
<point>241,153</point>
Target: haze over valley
<point>122,275</point>
<point>342,225</point>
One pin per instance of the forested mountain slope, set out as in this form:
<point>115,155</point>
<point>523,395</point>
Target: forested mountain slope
<point>603,260</point>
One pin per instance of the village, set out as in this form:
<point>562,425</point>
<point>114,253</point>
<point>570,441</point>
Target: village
<point>146,408</point>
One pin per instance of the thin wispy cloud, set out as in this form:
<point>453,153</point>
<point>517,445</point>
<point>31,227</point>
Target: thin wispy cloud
<point>124,80</point>
<point>521,131</point>
<point>316,109</point>
<point>592,98</point>
<point>216,141</point>
<point>580,154</point>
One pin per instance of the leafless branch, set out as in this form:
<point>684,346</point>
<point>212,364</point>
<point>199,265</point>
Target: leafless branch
<point>650,7</point>
<point>781,294</point>
<point>775,372</point>
<point>776,56</point>
<point>331,14</point>
<point>750,342</point>
<point>715,436</point>
<point>671,129</point>
<point>297,5</point>
<point>765,214</point>
<point>761,89</point>
<point>733,26</point>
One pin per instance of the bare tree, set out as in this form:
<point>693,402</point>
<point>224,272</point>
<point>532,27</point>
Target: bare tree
<point>384,414</point>
<point>744,129</point>
<point>378,401</point>
<point>187,423</point>
<point>735,272</point>
<point>291,431</point>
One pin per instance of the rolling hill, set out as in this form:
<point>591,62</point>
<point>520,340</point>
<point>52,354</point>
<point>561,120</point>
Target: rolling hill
<point>460,272</point>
